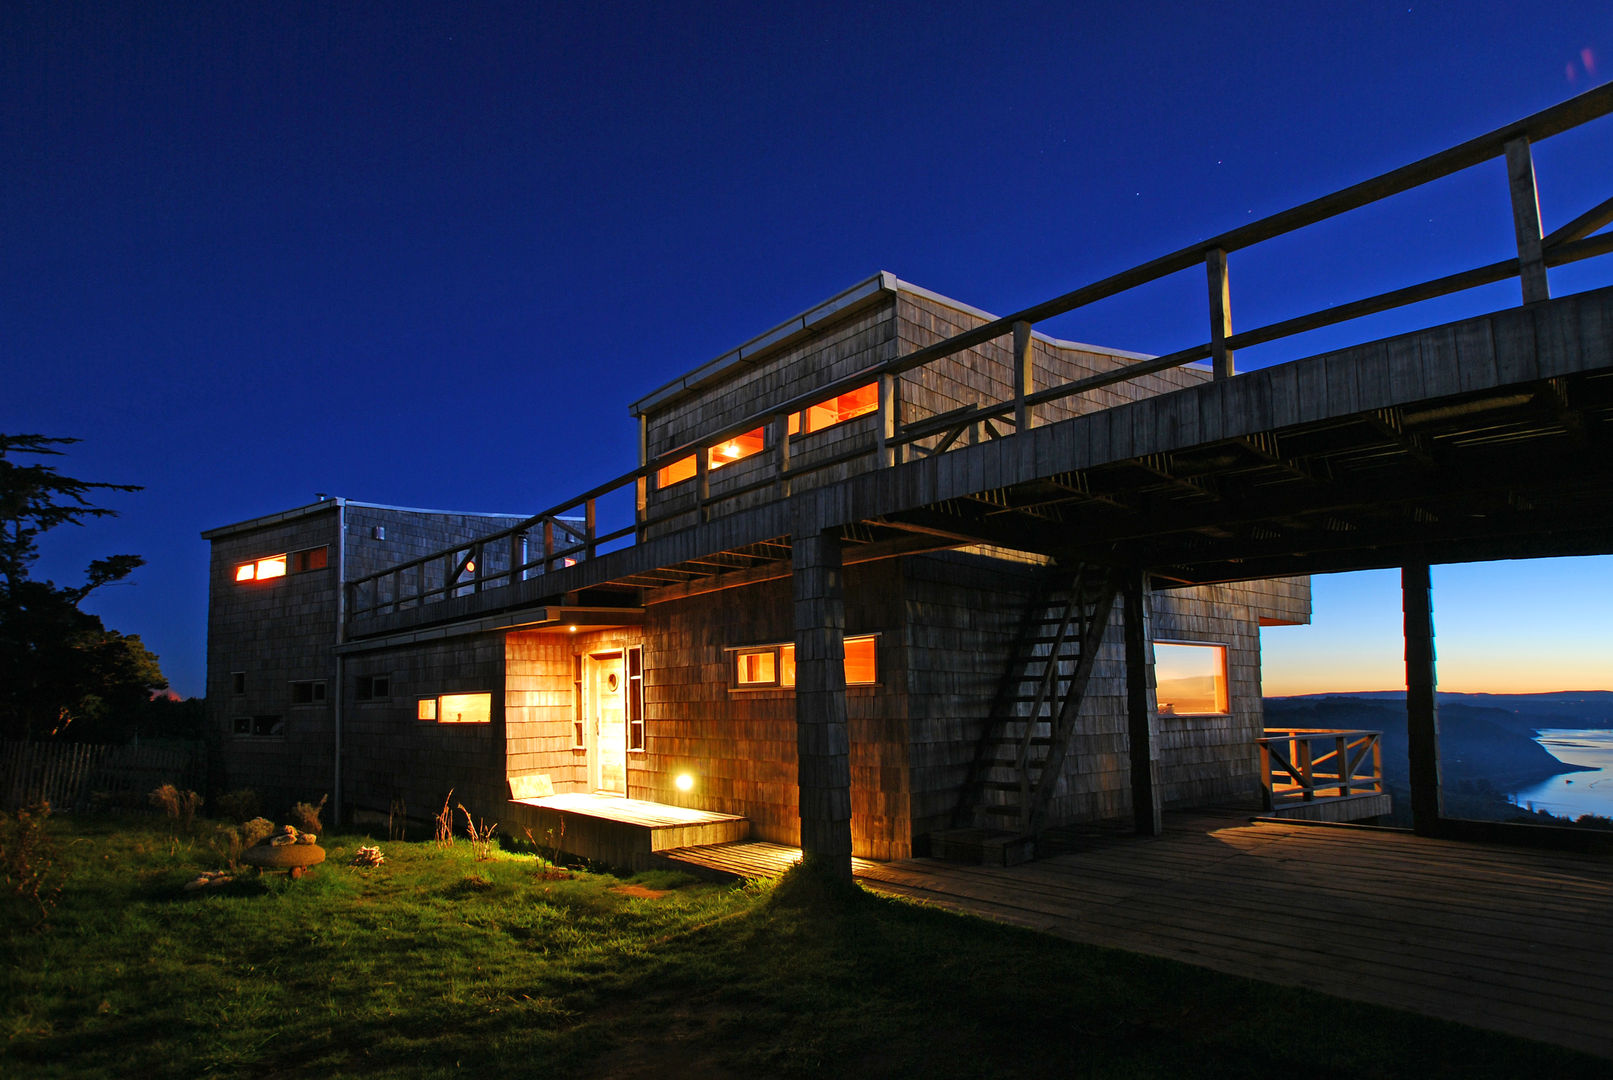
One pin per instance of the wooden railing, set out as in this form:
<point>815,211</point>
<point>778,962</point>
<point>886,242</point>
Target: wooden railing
<point>1306,764</point>
<point>568,530</point>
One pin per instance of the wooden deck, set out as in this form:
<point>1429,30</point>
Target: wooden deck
<point>745,859</point>
<point>622,832</point>
<point>1515,940</point>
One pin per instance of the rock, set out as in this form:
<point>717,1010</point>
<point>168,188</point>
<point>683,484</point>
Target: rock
<point>283,856</point>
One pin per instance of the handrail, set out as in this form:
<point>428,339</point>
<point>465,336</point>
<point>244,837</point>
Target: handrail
<point>1292,770</point>
<point>892,441</point>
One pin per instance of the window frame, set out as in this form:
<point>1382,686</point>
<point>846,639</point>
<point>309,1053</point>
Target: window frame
<point>364,688</point>
<point>779,650</point>
<point>316,691</point>
<point>438,710</point>
<point>275,722</point>
<point>290,563</point>
<point>1223,679</point>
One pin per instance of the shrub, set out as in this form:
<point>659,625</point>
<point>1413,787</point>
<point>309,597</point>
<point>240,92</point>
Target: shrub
<point>306,816</point>
<point>239,805</point>
<point>28,861</point>
<point>180,806</point>
<point>226,840</point>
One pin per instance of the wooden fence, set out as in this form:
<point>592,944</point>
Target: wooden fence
<point>569,532</point>
<point>76,777</point>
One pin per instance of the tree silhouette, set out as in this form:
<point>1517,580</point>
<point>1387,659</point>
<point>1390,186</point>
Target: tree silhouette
<point>62,672</point>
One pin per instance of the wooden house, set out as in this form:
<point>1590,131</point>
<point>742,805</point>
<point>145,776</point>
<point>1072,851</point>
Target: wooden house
<point>389,656</point>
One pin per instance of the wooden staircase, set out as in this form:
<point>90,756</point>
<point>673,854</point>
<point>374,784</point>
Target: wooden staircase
<point>1020,754</point>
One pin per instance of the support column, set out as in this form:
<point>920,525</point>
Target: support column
<point>1142,713</point>
<point>822,744</point>
<point>1526,220</point>
<point>1422,712</point>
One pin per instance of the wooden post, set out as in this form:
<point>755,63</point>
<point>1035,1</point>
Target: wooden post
<point>517,557</point>
<point>1141,711</point>
<point>1526,220</point>
<point>1215,266</point>
<point>1422,712</point>
<point>588,526</point>
<point>822,745</point>
<point>889,407</point>
<point>641,496</point>
<point>548,544</point>
<point>702,483</point>
<point>1024,380</point>
<point>781,453</point>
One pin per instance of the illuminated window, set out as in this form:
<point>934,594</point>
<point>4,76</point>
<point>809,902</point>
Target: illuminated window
<point>848,406</point>
<point>1190,679</point>
<point>465,708</point>
<point>635,698</point>
<point>274,566</point>
<point>426,709</point>
<point>578,734</point>
<point>740,446</point>
<point>277,566</point>
<point>308,693</point>
<point>774,665</point>
<point>675,473</point>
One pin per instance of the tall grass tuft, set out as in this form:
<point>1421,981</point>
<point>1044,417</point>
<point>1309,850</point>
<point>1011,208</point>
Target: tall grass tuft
<point>481,840</point>
<point>306,815</point>
<point>180,806</point>
<point>445,822</point>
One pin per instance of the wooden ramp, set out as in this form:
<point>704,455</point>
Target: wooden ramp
<point>1504,938</point>
<point>621,832</point>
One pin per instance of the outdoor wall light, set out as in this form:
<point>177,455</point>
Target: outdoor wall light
<point>685,782</point>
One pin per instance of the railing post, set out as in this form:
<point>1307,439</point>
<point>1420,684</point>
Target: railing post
<point>478,566</point>
<point>588,526</point>
<point>1023,377</point>
<point>641,495</point>
<point>1342,749</point>
<point>889,421</point>
<point>1215,266</point>
<point>548,545</point>
<point>1266,782</point>
<point>1302,760</point>
<point>1526,220</point>
<point>781,453</point>
<point>517,556</point>
<point>702,484</point>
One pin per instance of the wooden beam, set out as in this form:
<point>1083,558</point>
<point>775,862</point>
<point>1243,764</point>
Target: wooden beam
<point>1141,710</point>
<point>1526,220</point>
<point>1024,377</point>
<point>823,748</point>
<point>1422,711</point>
<point>1215,266</point>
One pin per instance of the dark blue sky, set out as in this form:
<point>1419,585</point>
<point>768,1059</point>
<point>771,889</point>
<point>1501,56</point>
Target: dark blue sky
<point>426,254</point>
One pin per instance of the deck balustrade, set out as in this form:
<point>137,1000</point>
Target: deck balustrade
<point>1306,764</point>
<point>568,531</point>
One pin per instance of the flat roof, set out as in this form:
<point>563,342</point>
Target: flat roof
<point>863,294</point>
<point>332,503</point>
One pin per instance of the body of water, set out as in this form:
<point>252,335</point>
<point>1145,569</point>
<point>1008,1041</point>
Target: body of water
<point>1572,794</point>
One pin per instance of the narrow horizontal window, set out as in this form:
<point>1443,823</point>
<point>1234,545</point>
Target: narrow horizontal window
<point>1190,679</point>
<point>310,559</point>
<point>465,708</point>
<point>271,566</point>
<point>774,665</point>
<point>736,449</point>
<point>259,727</point>
<point>675,473</point>
<point>836,410</point>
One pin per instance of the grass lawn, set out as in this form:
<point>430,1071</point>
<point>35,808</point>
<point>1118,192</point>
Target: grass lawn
<point>435,964</point>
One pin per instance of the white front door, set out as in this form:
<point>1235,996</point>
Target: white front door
<point>605,689</point>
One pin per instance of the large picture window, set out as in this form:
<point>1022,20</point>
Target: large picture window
<point>455,709</point>
<point>768,667</point>
<point>1190,678</point>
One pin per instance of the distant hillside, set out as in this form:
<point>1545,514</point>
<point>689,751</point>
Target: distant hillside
<point>1561,709</point>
